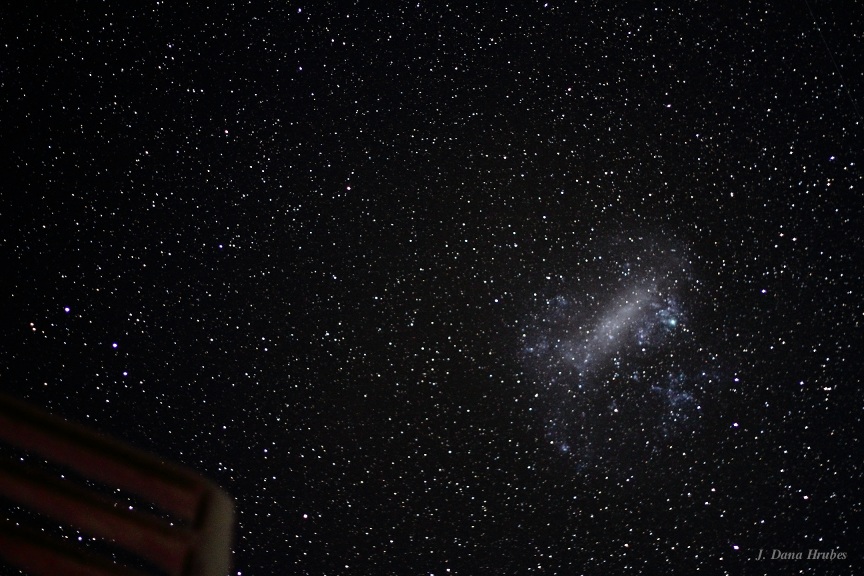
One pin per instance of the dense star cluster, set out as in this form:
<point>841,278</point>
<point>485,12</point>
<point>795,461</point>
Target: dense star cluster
<point>523,288</point>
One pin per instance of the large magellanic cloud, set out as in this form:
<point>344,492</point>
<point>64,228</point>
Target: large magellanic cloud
<point>614,360</point>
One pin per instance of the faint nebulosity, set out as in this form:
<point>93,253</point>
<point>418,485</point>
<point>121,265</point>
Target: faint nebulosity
<point>617,366</point>
<point>524,288</point>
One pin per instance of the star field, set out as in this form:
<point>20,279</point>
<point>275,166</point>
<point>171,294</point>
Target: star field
<point>526,288</point>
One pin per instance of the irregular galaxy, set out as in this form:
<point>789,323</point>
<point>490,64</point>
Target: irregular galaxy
<point>616,375</point>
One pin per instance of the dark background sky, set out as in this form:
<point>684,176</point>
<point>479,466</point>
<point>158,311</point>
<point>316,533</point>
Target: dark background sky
<point>298,243</point>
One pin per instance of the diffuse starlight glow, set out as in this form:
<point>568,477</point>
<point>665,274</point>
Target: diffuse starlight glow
<point>613,367</point>
<point>642,313</point>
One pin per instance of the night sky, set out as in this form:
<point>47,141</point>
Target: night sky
<point>548,288</point>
